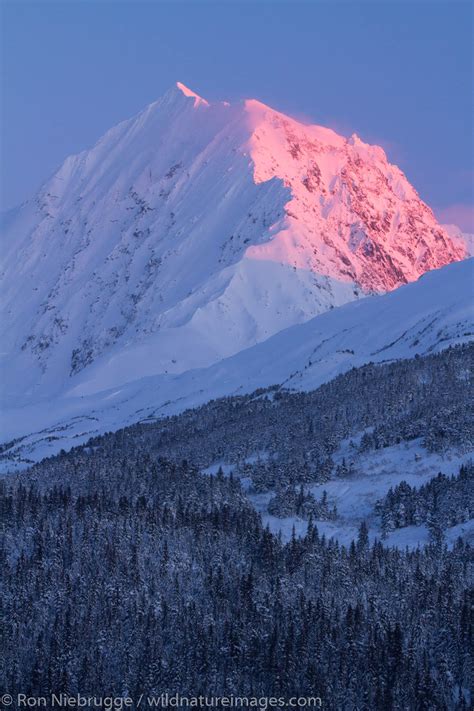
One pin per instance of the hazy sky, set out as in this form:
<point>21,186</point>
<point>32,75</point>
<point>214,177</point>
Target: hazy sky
<point>397,73</point>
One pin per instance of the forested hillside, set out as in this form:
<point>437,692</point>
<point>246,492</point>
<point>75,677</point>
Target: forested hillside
<point>430,398</point>
<point>130,573</point>
<point>127,568</point>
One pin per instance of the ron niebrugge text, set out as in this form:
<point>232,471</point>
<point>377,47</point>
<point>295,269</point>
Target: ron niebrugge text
<point>162,701</point>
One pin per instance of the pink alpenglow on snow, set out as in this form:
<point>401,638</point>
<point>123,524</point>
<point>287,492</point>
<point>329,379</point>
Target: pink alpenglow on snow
<point>351,214</point>
<point>187,92</point>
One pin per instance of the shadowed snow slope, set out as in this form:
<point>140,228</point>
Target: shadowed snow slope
<point>193,231</point>
<point>420,318</point>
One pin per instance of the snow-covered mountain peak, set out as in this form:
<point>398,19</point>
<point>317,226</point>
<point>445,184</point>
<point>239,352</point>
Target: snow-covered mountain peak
<point>194,230</point>
<point>352,215</point>
<point>190,94</point>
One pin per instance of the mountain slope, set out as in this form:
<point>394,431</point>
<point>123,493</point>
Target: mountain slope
<point>418,319</point>
<point>464,239</point>
<point>193,231</point>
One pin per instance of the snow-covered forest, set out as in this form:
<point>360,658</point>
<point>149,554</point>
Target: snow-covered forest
<point>139,562</point>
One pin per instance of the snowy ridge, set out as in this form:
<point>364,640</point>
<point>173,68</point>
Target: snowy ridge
<point>420,318</point>
<point>191,232</point>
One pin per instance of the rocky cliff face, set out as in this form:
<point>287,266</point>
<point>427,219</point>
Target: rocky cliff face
<point>352,215</point>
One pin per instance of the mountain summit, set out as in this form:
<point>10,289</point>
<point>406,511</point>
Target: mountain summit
<point>194,230</point>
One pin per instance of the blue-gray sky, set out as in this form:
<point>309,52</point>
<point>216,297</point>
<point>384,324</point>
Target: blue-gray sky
<point>397,73</point>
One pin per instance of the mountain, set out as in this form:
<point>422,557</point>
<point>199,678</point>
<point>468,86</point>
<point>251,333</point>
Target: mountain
<point>193,231</point>
<point>418,319</point>
<point>464,239</point>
